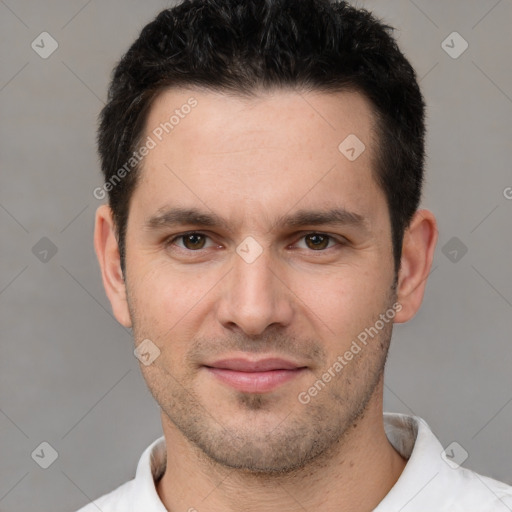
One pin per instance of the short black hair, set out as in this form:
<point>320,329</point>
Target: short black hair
<point>241,46</point>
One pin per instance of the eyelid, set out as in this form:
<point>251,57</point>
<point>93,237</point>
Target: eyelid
<point>170,240</point>
<point>340,240</point>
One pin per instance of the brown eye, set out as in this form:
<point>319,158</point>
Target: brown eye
<point>193,241</point>
<point>188,243</point>
<point>317,241</point>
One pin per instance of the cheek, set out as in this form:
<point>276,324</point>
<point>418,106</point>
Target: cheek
<point>165,300</point>
<point>342,305</point>
<point>165,287</point>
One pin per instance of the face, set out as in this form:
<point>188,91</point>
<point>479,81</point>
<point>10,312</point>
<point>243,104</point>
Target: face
<point>257,254</point>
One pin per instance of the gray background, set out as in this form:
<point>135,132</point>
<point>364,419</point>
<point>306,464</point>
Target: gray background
<point>68,375</point>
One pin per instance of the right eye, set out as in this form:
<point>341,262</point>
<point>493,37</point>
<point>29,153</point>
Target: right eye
<point>192,241</point>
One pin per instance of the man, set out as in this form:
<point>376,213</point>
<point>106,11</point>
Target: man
<point>264,163</point>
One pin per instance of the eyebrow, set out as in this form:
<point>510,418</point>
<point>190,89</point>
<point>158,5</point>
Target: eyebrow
<point>176,216</point>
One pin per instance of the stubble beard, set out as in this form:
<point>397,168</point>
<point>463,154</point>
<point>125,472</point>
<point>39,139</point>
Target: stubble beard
<point>279,442</point>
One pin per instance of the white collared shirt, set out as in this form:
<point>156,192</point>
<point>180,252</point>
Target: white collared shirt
<point>431,481</point>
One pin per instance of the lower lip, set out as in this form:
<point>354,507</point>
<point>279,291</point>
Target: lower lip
<point>255,382</point>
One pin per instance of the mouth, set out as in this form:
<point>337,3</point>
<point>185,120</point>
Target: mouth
<point>259,376</point>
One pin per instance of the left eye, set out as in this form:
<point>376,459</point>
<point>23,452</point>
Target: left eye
<point>195,241</point>
<point>317,241</point>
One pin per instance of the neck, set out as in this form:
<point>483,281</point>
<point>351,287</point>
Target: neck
<point>355,476</point>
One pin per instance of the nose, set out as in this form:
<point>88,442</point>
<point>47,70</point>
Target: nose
<point>255,296</point>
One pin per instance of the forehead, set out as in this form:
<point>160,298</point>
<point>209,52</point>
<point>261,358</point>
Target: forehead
<point>278,148</point>
<point>287,117</point>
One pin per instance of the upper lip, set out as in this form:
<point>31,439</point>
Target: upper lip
<point>262,365</point>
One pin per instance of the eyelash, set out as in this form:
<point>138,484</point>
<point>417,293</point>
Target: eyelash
<point>170,241</point>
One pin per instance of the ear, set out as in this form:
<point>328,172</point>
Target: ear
<point>418,247</point>
<point>107,251</point>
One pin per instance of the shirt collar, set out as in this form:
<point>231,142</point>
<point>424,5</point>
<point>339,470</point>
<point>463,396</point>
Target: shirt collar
<point>423,482</point>
<point>150,469</point>
<point>427,483</point>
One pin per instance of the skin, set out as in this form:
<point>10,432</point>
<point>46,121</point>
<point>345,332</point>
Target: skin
<point>251,161</point>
